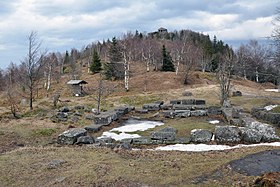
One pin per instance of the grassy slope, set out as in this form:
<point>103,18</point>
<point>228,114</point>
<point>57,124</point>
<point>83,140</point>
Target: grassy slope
<point>85,166</point>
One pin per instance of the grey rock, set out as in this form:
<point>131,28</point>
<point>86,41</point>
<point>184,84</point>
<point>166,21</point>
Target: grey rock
<point>214,110</point>
<point>141,141</point>
<point>55,163</point>
<point>236,111</point>
<point>75,119</point>
<point>234,122</point>
<point>166,106</point>
<point>93,128</point>
<point>268,132</point>
<point>249,135</point>
<point>199,113</point>
<point>77,113</point>
<point>169,113</point>
<point>123,145</point>
<point>151,106</point>
<point>227,134</point>
<point>200,102</point>
<point>105,118</point>
<point>141,111</point>
<point>246,121</point>
<point>70,136</point>
<point>165,134</point>
<point>227,113</point>
<point>182,113</point>
<point>79,107</point>
<point>188,102</point>
<point>201,136</point>
<point>64,109</point>
<point>159,102</point>
<point>90,117</point>
<point>85,140</point>
<point>227,104</point>
<point>236,94</point>
<point>122,110</point>
<point>105,140</point>
<point>183,107</point>
<point>174,102</point>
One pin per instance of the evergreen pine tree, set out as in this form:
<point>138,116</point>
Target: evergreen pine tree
<point>112,69</point>
<point>95,66</point>
<point>115,54</point>
<point>167,63</point>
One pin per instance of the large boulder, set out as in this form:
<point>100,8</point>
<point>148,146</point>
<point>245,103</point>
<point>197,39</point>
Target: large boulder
<point>201,136</point>
<point>227,134</point>
<point>249,135</point>
<point>165,134</point>
<point>267,131</point>
<point>105,118</point>
<point>70,136</point>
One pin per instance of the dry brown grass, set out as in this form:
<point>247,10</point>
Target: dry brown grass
<point>95,166</point>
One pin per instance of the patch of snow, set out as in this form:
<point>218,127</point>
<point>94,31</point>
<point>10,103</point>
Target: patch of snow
<point>214,122</point>
<point>118,137</point>
<point>137,126</point>
<point>272,90</point>
<point>194,130</point>
<point>130,125</point>
<point>205,147</point>
<point>270,107</point>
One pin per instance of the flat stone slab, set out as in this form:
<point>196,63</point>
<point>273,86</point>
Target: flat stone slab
<point>258,163</point>
<point>152,106</point>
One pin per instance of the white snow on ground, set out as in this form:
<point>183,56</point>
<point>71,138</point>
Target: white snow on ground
<point>118,137</point>
<point>272,90</point>
<point>270,107</point>
<point>214,121</point>
<point>204,147</point>
<point>133,126</point>
<point>138,126</point>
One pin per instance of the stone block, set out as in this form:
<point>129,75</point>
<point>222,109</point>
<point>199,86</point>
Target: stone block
<point>201,136</point>
<point>199,113</point>
<point>214,110</point>
<point>227,134</point>
<point>69,137</point>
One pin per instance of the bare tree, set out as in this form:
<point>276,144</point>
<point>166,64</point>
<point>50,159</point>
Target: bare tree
<point>224,75</point>
<point>31,66</point>
<point>100,91</point>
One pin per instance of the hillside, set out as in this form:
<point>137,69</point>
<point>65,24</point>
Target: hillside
<point>28,145</point>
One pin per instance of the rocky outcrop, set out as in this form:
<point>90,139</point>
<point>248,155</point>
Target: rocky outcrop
<point>70,137</point>
<point>227,134</point>
<point>201,136</point>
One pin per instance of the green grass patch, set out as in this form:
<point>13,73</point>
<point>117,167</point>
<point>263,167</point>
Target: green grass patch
<point>276,109</point>
<point>140,100</point>
<point>43,132</point>
<point>40,112</point>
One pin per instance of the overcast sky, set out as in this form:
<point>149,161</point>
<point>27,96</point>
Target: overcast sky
<point>64,24</point>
